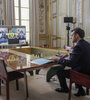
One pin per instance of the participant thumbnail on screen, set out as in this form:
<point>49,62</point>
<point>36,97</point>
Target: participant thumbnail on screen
<point>3,36</point>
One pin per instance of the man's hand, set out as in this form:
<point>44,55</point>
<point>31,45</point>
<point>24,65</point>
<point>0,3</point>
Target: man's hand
<point>63,56</point>
<point>55,58</point>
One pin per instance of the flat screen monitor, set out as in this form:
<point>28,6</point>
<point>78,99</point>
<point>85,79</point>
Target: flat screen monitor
<point>12,35</point>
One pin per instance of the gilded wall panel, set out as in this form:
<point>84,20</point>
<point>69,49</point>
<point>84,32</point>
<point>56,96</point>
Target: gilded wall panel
<point>86,17</point>
<point>54,26</point>
<point>42,16</point>
<point>44,22</point>
<point>78,9</point>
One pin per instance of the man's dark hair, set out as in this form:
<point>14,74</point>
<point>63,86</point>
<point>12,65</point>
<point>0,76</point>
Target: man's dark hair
<point>79,31</point>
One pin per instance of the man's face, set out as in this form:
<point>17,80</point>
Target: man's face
<point>74,37</point>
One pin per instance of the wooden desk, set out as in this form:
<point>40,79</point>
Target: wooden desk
<point>21,62</point>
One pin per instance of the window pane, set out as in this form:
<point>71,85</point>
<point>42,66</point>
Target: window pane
<point>16,13</point>
<point>24,3</point>
<point>16,2</point>
<point>24,13</point>
<point>25,23</point>
<point>16,22</point>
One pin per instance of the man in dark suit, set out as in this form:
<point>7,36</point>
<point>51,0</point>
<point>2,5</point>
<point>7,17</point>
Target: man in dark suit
<point>79,60</point>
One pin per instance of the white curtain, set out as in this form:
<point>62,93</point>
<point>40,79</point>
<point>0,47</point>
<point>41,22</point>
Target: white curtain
<point>9,13</point>
<point>35,23</point>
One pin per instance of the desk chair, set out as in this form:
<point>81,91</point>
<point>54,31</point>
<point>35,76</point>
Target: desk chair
<point>79,78</point>
<point>8,76</point>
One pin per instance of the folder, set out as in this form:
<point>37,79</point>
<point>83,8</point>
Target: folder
<point>41,61</point>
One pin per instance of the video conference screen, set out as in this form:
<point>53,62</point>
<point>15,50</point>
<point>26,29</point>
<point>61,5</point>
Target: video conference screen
<point>12,35</point>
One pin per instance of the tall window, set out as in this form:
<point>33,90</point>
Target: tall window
<point>23,12</point>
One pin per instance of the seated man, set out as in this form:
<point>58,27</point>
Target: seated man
<point>79,60</point>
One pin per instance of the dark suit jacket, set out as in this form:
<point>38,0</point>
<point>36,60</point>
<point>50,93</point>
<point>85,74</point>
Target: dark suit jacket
<point>79,59</point>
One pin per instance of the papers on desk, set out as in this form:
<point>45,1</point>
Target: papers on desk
<point>41,61</point>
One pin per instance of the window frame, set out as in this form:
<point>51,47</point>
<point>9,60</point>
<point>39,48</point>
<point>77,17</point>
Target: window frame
<point>20,20</point>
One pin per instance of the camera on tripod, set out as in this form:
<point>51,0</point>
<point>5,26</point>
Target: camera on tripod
<point>68,20</point>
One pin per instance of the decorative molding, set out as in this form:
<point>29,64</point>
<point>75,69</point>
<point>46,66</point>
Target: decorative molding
<point>42,16</point>
<point>79,12</point>
<point>87,18</point>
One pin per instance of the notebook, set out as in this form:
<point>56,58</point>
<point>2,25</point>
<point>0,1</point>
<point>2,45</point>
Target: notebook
<point>41,61</point>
